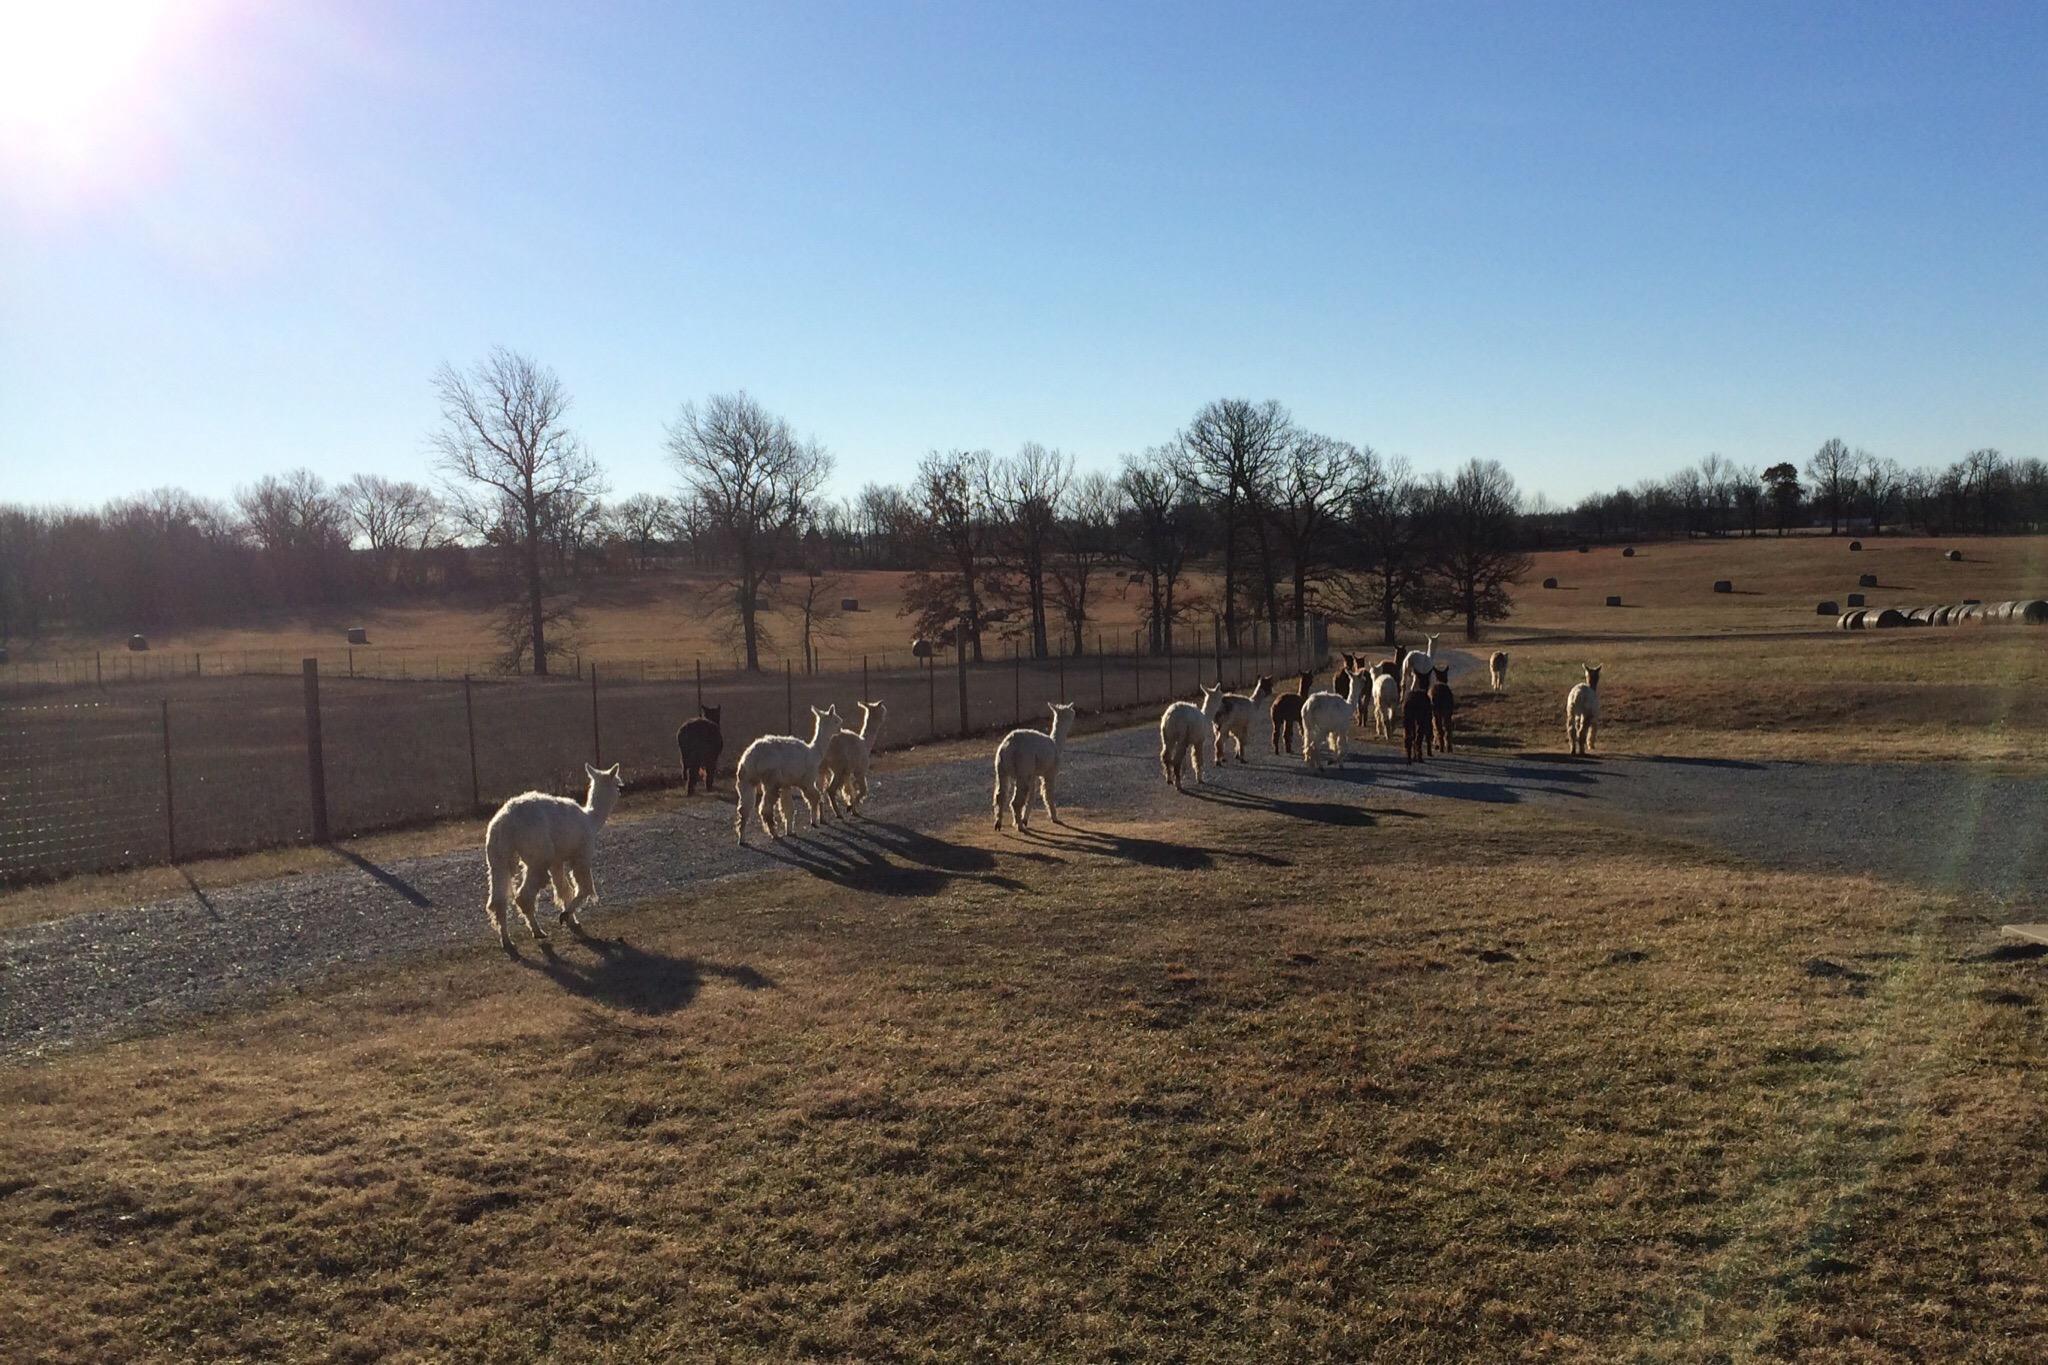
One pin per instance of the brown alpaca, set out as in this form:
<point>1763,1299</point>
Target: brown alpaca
<point>1416,718</point>
<point>701,741</point>
<point>1441,706</point>
<point>1287,715</point>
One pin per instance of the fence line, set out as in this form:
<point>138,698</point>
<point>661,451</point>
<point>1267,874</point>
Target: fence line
<point>214,765</point>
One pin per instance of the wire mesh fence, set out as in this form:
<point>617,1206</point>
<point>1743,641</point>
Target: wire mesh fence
<point>214,764</point>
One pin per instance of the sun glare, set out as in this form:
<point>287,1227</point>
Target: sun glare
<point>75,77</point>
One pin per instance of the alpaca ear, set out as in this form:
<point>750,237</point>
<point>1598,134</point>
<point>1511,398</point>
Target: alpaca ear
<point>589,771</point>
<point>614,771</point>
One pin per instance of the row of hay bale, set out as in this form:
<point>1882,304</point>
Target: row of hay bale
<point>2033,612</point>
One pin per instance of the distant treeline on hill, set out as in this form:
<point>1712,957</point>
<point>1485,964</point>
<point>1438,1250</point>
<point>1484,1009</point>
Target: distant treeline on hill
<point>1282,523</point>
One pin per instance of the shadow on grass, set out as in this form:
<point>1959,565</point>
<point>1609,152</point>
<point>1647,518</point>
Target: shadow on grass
<point>857,854</point>
<point>628,978</point>
<point>390,879</point>
<point>1145,852</point>
<point>1318,812</point>
<point>199,894</point>
<point>1684,761</point>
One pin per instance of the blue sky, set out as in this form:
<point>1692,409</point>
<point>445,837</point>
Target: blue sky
<point>1592,241</point>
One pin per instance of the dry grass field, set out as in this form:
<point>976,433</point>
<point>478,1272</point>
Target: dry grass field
<point>1581,1100</point>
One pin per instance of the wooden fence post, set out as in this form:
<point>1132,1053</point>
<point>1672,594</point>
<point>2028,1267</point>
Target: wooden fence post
<point>931,694</point>
<point>960,654</point>
<point>788,697</point>
<point>170,798</point>
<point>596,736</point>
<point>700,684</point>
<point>316,761</point>
<point>476,797</point>
<point>1101,675</point>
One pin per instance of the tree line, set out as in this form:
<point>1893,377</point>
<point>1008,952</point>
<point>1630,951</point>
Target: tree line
<point>1243,517</point>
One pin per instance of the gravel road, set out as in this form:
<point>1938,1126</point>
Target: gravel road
<point>100,975</point>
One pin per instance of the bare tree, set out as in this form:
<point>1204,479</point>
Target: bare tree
<point>1833,472</point>
<point>504,430</point>
<point>951,595</point>
<point>640,521</point>
<point>1315,485</point>
<point>1882,483</point>
<point>1026,491</point>
<point>1164,526</point>
<point>757,483</point>
<point>1230,451</point>
<point>1388,542</point>
<point>811,601</point>
<point>1472,524</point>
<point>1085,548</point>
<point>392,517</point>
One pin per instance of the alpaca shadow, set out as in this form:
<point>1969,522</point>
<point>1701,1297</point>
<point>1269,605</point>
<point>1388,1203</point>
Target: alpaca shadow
<point>199,894</point>
<point>1566,772</point>
<point>1489,793</point>
<point>391,880</point>
<point>929,865</point>
<point>1130,848</point>
<point>1740,764</point>
<point>638,980</point>
<point>1316,812</point>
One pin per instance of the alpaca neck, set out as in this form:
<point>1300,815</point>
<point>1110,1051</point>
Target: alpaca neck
<point>598,804</point>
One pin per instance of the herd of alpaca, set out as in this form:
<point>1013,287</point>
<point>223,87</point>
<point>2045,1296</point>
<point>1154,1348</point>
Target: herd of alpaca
<point>537,839</point>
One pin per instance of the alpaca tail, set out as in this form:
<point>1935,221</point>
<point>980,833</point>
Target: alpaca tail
<point>1003,771</point>
<point>499,863</point>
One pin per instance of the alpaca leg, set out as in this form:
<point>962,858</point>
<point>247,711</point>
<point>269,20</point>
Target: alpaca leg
<point>815,799</point>
<point>1592,733</point>
<point>997,801</point>
<point>739,811</point>
<point>859,793</point>
<point>525,898</point>
<point>1052,810</point>
<point>562,879</point>
<point>1276,734</point>
<point>494,903</point>
<point>1167,766</point>
<point>586,891</point>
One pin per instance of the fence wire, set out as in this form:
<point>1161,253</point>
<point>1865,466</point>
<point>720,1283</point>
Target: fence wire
<point>219,765</point>
<point>81,787</point>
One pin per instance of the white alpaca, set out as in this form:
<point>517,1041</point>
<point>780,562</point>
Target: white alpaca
<point>548,838</point>
<point>1419,663</point>
<point>1235,713</point>
<point>1326,722</point>
<point>1028,758</point>
<point>843,776</point>
<point>1386,704</point>
<point>1582,712</point>
<point>1188,731</point>
<point>775,765</point>
<point>1497,669</point>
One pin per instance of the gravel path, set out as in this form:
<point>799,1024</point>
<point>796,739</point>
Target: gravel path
<point>95,976</point>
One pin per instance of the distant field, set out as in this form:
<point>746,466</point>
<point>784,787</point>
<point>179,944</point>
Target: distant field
<point>1668,589</point>
<point>661,618</point>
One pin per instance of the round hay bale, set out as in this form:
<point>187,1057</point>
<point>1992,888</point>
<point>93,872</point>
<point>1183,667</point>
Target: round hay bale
<point>1973,601</point>
<point>1550,582</point>
<point>1827,609</point>
<point>1855,599</point>
<point>849,604</point>
<point>1941,616</point>
<point>1585,549</point>
<point>1966,612</point>
<point>358,635</point>
<point>1855,544</point>
<point>1614,601</point>
<point>138,644</point>
<point>1868,580</point>
<point>1955,556</point>
<point>920,648</point>
<point>1916,616</point>
<point>1859,619</point>
<point>1891,618</point>
<point>2034,613</point>
<point>1724,585</point>
<point>1628,552</point>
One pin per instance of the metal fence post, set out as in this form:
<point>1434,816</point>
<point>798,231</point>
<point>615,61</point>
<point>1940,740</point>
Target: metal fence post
<point>98,678</point>
<point>316,761</point>
<point>700,684</point>
<point>170,799</point>
<point>1016,682</point>
<point>960,654</point>
<point>865,695</point>
<point>596,736</point>
<point>931,694</point>
<point>476,798</point>
<point>1101,675</point>
<point>788,696</point>
<point>1219,654</point>
<point>1060,667</point>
